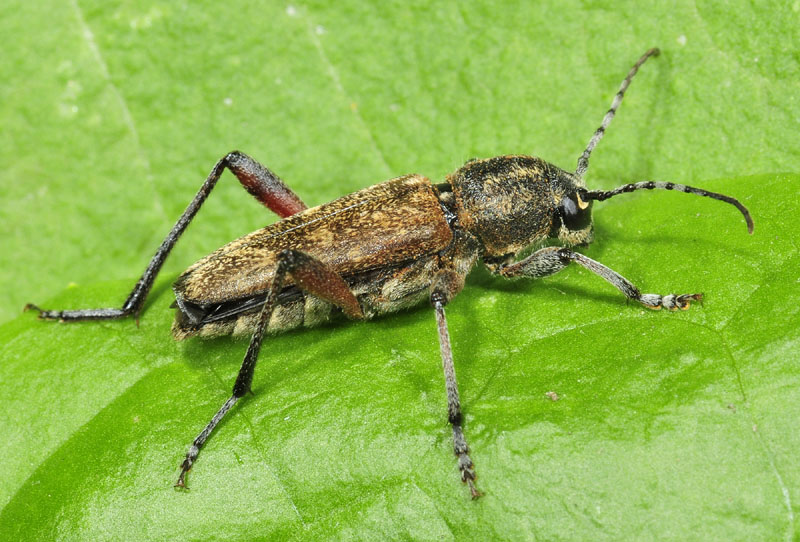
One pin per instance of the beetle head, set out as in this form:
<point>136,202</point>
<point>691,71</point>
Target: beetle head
<point>572,220</point>
<point>513,202</point>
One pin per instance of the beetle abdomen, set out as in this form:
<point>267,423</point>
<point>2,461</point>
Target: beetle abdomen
<point>378,292</point>
<point>383,225</point>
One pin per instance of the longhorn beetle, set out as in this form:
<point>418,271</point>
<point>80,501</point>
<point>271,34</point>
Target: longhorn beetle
<point>384,248</point>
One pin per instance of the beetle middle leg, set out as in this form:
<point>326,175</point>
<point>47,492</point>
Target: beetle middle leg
<point>550,260</point>
<point>447,283</point>
<point>258,180</point>
<point>460,447</point>
<point>310,275</point>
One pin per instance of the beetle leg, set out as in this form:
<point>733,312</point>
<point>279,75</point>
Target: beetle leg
<point>264,185</point>
<point>460,447</point>
<point>312,276</point>
<point>445,286</point>
<point>551,260</point>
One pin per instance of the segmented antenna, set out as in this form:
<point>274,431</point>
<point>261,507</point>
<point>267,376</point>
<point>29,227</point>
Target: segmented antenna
<point>601,195</point>
<point>583,161</point>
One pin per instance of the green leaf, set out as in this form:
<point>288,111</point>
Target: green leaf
<point>668,425</point>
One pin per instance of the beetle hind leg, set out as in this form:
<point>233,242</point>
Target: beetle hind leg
<point>194,449</point>
<point>259,181</point>
<point>454,416</point>
<point>312,276</point>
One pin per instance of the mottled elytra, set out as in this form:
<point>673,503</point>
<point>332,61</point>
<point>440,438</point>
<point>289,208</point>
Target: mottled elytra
<point>382,249</point>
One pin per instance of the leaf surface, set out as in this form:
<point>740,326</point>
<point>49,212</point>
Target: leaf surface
<point>668,425</point>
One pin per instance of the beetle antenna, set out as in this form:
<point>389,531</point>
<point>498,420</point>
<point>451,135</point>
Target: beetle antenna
<point>601,195</point>
<point>583,161</point>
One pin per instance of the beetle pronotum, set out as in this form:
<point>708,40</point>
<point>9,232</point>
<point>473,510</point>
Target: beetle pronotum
<point>384,248</point>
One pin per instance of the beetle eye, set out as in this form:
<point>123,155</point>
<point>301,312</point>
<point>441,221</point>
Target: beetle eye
<point>575,213</point>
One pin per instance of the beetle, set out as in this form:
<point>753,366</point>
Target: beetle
<point>384,248</point>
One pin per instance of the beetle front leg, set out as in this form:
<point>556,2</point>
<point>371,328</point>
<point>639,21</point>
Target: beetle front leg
<point>310,275</point>
<point>551,260</point>
<point>259,181</point>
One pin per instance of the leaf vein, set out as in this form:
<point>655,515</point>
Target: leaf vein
<point>333,73</point>
<point>91,43</point>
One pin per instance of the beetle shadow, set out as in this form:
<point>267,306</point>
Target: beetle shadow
<point>648,240</point>
<point>227,352</point>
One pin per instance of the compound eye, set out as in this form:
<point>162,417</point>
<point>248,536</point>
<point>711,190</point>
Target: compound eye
<point>575,213</point>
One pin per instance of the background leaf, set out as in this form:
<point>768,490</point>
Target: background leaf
<point>669,425</point>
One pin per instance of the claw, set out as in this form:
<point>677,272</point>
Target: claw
<point>32,307</point>
<point>181,483</point>
<point>473,491</point>
<point>43,314</point>
<point>684,301</point>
